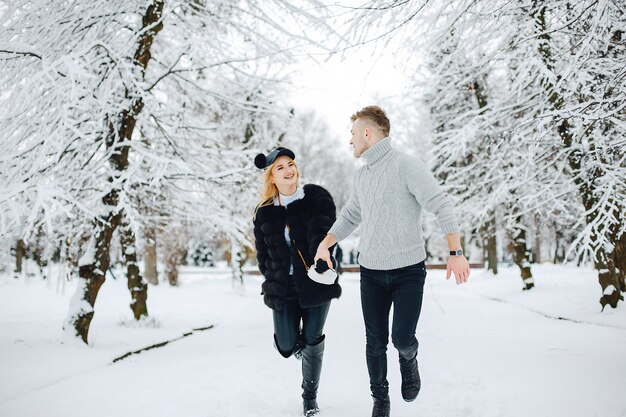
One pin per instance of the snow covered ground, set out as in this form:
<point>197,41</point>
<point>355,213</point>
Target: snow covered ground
<point>487,349</point>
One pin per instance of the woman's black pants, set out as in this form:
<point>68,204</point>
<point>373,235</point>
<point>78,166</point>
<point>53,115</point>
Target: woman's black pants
<point>295,326</point>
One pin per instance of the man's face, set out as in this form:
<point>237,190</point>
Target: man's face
<point>357,137</point>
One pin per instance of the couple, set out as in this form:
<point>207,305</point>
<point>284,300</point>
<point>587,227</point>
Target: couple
<point>294,227</point>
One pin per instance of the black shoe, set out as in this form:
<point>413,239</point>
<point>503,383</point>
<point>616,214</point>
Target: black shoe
<point>382,407</point>
<point>309,407</point>
<point>411,382</point>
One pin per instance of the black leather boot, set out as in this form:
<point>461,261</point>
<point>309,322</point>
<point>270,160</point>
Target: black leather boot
<point>411,382</point>
<point>312,356</point>
<point>382,407</point>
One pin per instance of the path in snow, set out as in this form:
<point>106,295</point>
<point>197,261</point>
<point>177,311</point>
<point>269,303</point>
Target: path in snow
<point>478,356</point>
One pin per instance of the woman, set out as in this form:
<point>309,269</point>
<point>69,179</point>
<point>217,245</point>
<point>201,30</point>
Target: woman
<point>289,223</point>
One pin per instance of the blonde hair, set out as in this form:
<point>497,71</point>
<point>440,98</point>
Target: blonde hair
<point>269,191</point>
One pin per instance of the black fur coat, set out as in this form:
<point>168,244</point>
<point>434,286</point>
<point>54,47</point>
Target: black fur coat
<point>309,219</point>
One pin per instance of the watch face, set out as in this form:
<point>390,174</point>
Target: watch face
<point>458,252</point>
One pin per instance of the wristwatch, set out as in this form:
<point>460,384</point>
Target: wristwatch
<point>458,252</point>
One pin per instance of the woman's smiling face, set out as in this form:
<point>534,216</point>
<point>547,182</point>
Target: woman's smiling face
<point>284,172</point>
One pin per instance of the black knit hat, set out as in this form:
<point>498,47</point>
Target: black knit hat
<point>261,161</point>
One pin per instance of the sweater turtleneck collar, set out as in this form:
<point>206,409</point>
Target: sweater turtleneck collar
<point>378,151</point>
<point>285,200</point>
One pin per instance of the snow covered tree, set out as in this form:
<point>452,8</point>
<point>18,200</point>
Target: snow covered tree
<point>474,153</point>
<point>109,103</point>
<point>319,155</point>
<point>549,139</point>
<point>587,96</point>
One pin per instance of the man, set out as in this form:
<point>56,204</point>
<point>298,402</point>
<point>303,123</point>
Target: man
<point>387,199</point>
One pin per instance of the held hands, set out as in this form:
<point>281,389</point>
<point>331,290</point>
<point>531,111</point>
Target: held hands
<point>460,267</point>
<point>321,266</point>
<point>323,254</point>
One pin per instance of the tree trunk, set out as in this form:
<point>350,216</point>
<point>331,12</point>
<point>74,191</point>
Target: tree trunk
<point>492,254</point>
<point>172,260</point>
<point>20,253</point>
<point>491,245</point>
<point>93,274</point>
<point>490,226</point>
<point>620,261</point>
<point>609,280</point>
<point>521,254</point>
<point>150,256</point>
<point>35,251</point>
<point>483,247</point>
<point>537,241</point>
<point>137,286</point>
<point>237,259</point>
<point>120,131</point>
<point>174,243</point>
<point>559,250</point>
<point>603,260</point>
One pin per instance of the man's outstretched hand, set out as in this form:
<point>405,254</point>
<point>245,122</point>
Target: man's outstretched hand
<point>458,266</point>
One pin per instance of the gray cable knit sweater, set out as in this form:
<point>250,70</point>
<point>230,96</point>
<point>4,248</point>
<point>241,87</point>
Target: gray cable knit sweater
<point>387,198</point>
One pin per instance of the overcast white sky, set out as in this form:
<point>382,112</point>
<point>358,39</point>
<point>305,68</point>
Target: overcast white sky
<point>338,87</point>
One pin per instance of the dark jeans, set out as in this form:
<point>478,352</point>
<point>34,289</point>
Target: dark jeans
<point>404,288</point>
<point>287,331</point>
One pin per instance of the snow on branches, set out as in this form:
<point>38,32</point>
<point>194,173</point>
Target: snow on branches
<point>527,103</point>
<point>139,113</point>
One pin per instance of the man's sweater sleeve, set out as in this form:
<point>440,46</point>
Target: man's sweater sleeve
<point>348,219</point>
<point>423,185</point>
